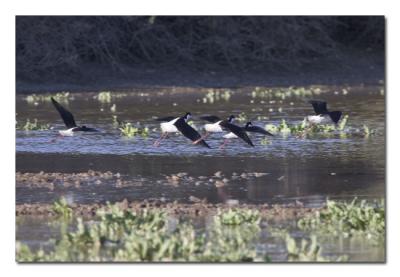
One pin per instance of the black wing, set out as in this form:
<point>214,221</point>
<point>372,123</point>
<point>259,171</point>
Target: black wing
<point>257,129</point>
<point>210,118</point>
<point>66,116</point>
<point>319,106</point>
<point>239,131</point>
<point>166,119</point>
<point>189,132</point>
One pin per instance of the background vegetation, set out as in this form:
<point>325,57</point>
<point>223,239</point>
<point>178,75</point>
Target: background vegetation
<point>47,46</point>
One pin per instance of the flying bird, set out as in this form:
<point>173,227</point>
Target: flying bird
<point>322,113</point>
<point>179,124</point>
<point>69,121</point>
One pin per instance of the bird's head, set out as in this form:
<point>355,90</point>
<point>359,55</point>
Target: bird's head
<point>187,116</point>
<point>249,124</point>
<point>231,118</point>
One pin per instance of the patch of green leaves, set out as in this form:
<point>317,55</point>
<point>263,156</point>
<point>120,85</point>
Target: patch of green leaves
<point>61,208</point>
<point>34,126</point>
<point>59,97</point>
<point>123,235</point>
<point>348,219</point>
<point>104,97</point>
<point>127,130</point>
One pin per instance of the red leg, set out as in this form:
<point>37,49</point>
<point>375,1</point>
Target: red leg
<point>202,137</point>
<point>225,143</point>
<point>158,141</point>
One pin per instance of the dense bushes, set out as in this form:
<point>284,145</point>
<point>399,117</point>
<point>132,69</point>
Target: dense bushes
<point>64,44</point>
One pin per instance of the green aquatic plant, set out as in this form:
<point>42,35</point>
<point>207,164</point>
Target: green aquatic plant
<point>61,208</point>
<point>307,251</point>
<point>348,219</point>
<point>127,130</point>
<point>34,126</point>
<point>123,235</point>
<point>214,95</point>
<point>241,117</point>
<point>59,97</point>
<point>238,217</point>
<point>304,127</point>
<point>104,96</point>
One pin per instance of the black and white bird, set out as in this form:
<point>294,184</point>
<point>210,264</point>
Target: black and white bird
<point>235,131</point>
<point>214,126</point>
<point>179,124</point>
<point>323,116</point>
<point>249,127</point>
<point>69,121</point>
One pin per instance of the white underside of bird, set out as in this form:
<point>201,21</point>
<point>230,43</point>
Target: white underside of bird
<point>213,127</point>
<point>169,127</point>
<point>230,136</point>
<point>67,133</point>
<point>319,119</point>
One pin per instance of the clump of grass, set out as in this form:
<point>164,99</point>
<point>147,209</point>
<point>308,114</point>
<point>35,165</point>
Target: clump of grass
<point>63,96</point>
<point>347,219</point>
<point>34,126</point>
<point>61,208</point>
<point>104,96</point>
<point>308,251</point>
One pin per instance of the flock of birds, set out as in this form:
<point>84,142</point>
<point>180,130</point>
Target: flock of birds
<point>179,124</point>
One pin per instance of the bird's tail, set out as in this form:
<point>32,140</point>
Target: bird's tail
<point>335,116</point>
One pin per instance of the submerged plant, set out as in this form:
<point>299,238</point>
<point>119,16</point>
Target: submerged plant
<point>34,126</point>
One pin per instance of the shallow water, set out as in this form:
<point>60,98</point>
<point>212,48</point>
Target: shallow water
<point>309,169</point>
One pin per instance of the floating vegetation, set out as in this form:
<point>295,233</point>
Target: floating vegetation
<point>127,130</point>
<point>59,97</point>
<point>241,117</point>
<point>216,95</point>
<point>284,93</point>
<point>34,126</point>
<point>124,235</point>
<point>347,219</point>
<point>238,217</point>
<point>305,127</point>
<point>308,251</point>
<point>113,108</point>
<point>104,96</point>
